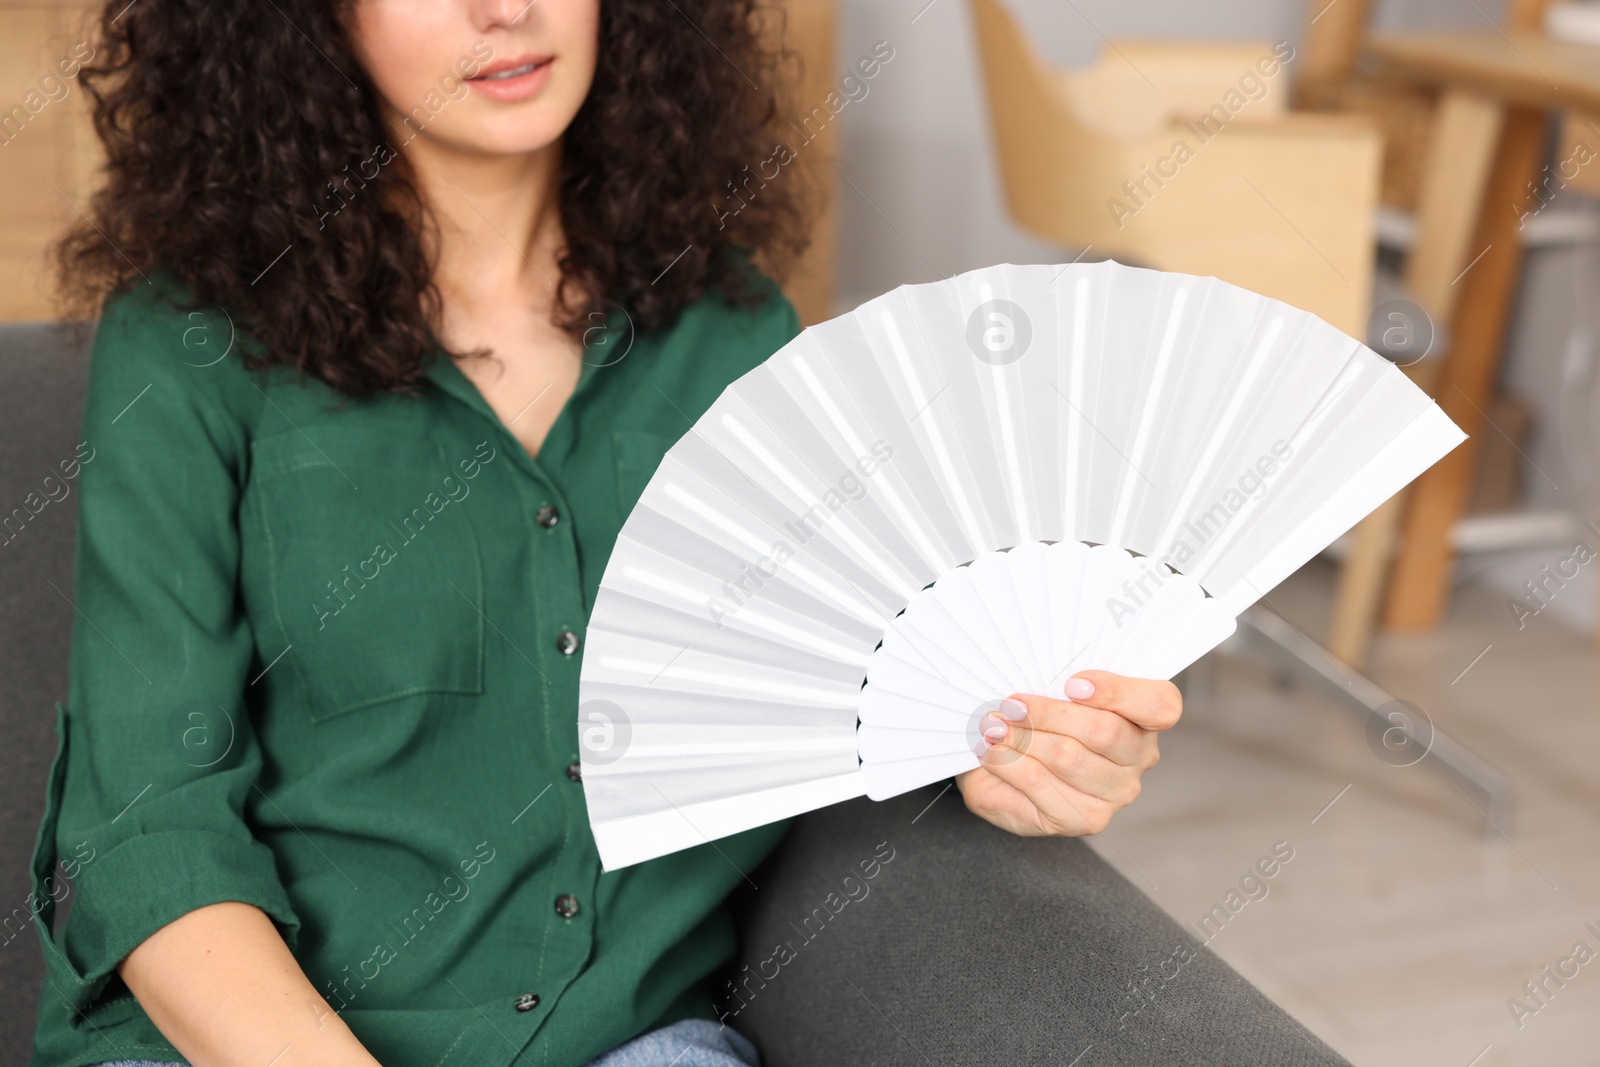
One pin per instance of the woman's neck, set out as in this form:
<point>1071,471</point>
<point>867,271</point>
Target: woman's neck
<point>499,221</point>
<point>499,226</point>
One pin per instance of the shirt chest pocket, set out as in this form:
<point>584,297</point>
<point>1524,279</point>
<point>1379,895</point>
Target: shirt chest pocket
<point>373,578</point>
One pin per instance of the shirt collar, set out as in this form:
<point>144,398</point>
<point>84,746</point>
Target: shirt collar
<point>444,373</point>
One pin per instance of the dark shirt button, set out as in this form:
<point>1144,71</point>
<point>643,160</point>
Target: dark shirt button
<point>575,771</point>
<point>527,1002</point>
<point>547,516</point>
<point>567,642</point>
<point>566,905</point>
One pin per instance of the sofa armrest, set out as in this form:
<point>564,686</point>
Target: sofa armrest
<point>912,932</point>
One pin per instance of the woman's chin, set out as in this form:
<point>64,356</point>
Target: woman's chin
<point>505,135</point>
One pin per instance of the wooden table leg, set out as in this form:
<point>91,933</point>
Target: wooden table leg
<point>1360,589</point>
<point>1420,586</point>
<point>1466,132</point>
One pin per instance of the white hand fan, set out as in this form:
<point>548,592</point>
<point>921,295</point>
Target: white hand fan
<point>885,528</point>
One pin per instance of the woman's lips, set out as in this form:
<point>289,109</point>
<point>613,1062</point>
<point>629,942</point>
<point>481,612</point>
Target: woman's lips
<point>512,80</point>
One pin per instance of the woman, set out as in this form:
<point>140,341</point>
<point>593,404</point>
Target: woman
<point>402,302</point>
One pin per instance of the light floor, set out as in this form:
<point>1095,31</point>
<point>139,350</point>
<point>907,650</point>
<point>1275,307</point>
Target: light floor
<point>1402,926</point>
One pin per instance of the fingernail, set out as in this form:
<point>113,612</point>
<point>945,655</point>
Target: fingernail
<point>994,729</point>
<point>1014,710</point>
<point>1079,689</point>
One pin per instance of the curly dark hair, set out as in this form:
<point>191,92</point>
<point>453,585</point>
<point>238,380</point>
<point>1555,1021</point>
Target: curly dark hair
<point>224,132</point>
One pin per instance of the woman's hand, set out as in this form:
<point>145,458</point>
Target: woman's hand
<point>1064,767</point>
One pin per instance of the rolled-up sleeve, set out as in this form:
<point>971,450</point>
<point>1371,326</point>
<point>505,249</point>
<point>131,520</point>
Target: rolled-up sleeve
<point>158,761</point>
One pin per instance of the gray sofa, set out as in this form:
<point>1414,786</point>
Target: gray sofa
<point>967,945</point>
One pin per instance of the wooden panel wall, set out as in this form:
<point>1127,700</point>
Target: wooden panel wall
<point>811,33</point>
<point>47,150</point>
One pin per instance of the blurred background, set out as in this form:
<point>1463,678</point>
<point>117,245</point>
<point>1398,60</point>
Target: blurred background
<point>1415,713</point>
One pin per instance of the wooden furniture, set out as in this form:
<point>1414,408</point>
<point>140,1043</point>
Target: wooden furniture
<point>47,149</point>
<point>1409,77</point>
<point>1498,88</point>
<point>1580,129</point>
<point>1282,204</point>
<point>1328,78</point>
<point>808,28</point>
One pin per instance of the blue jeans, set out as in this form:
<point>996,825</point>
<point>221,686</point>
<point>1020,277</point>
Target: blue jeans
<point>688,1043</point>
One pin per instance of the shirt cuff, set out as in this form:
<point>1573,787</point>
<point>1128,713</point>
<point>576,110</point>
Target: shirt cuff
<point>125,895</point>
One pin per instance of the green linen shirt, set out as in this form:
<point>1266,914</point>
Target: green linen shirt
<point>325,662</point>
